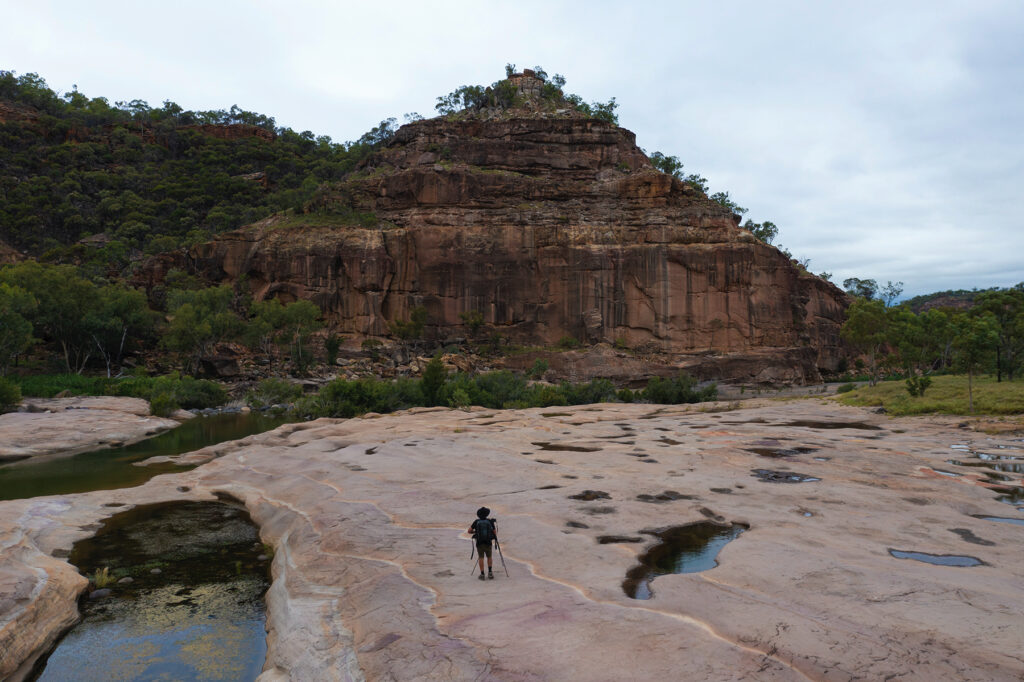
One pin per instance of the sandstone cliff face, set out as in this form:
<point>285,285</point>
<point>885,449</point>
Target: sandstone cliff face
<point>549,225</point>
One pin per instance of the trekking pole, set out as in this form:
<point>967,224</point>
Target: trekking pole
<point>500,556</point>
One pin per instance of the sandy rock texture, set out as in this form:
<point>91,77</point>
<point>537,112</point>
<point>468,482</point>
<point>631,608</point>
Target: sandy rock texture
<point>547,225</point>
<point>373,580</point>
<point>68,426</point>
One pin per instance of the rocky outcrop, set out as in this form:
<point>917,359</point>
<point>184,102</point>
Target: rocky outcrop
<point>232,131</point>
<point>68,426</point>
<point>371,566</point>
<point>548,223</point>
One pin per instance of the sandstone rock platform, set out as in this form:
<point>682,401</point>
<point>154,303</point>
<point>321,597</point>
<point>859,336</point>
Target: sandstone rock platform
<point>372,576</point>
<point>69,426</point>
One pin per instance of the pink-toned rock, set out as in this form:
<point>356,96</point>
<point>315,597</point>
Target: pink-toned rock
<point>372,578</point>
<point>68,426</point>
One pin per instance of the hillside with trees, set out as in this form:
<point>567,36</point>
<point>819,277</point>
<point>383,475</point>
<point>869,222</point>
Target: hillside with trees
<point>88,182</point>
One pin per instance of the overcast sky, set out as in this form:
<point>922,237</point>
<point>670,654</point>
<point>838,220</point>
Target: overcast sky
<point>886,139</point>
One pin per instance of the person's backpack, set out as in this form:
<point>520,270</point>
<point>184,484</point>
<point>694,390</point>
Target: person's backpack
<point>484,530</point>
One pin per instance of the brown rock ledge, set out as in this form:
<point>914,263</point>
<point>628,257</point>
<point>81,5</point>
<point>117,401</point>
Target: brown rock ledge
<point>372,574</point>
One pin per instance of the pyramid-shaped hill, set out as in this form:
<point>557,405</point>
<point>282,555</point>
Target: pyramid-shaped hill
<point>550,223</point>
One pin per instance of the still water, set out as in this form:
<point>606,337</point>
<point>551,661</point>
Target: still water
<point>114,467</point>
<point>185,599</point>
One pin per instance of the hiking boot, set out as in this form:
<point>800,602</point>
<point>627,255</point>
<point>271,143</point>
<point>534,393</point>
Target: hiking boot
<point>490,576</point>
<point>481,576</point>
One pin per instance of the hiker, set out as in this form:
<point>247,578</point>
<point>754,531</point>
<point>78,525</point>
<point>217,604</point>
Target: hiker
<point>484,533</point>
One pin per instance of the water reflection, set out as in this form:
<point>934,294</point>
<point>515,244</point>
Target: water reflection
<point>194,607</point>
<point>683,549</point>
<point>113,467</point>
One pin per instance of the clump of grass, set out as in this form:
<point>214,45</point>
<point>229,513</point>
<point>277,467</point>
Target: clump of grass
<point>946,395</point>
<point>102,578</point>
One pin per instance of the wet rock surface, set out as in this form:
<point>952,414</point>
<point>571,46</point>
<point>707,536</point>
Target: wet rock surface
<point>371,581</point>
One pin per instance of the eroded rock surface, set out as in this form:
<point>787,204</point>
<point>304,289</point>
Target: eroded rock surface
<point>548,226</point>
<point>68,426</point>
<point>372,576</point>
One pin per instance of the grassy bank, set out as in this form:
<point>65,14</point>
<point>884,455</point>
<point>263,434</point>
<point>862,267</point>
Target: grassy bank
<point>946,395</point>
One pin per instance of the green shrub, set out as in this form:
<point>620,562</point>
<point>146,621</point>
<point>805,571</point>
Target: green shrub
<point>916,386</point>
<point>594,391</point>
<point>273,392</point>
<point>331,346</point>
<point>680,389</point>
<point>163,405</point>
<point>187,391</point>
<point>432,382</point>
<point>49,385</point>
<point>540,366</point>
<point>568,343</point>
<point>342,398</point>
<point>625,395</point>
<point>460,399</point>
<point>845,388</point>
<point>548,396</point>
<point>10,395</point>
<point>495,389</point>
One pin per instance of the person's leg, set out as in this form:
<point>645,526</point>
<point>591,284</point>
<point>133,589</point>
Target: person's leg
<point>481,564</point>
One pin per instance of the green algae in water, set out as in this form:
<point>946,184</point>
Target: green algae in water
<point>200,618</point>
<point>114,467</point>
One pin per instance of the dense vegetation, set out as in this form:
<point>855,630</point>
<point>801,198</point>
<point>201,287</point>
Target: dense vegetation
<point>503,95</point>
<point>97,325</point>
<point>166,393</point>
<point>497,390</point>
<point>142,179</point>
<point>959,298</point>
<point>89,187</point>
<point>987,338</point>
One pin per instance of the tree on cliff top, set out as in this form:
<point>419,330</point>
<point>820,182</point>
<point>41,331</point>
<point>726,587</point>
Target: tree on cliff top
<point>504,94</point>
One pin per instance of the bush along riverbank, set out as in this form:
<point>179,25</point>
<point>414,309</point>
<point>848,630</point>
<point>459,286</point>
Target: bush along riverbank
<point>349,398</point>
<point>166,394</point>
<point>495,390</point>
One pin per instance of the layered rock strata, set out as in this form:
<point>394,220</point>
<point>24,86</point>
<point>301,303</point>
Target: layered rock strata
<point>548,225</point>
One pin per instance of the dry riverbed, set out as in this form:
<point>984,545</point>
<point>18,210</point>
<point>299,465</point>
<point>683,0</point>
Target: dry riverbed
<point>372,576</point>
